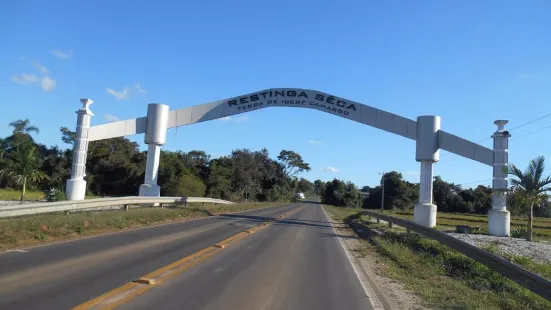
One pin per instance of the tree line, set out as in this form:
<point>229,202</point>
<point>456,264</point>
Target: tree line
<point>115,167</point>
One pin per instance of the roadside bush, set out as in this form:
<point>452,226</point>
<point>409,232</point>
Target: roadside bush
<point>54,194</point>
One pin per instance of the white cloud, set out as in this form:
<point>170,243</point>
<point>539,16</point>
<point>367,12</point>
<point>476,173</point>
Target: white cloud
<point>111,118</point>
<point>25,78</point>
<point>47,83</point>
<point>119,95</point>
<point>37,65</point>
<point>125,92</point>
<point>238,119</point>
<point>315,142</point>
<point>62,54</point>
<point>139,88</point>
<point>330,169</point>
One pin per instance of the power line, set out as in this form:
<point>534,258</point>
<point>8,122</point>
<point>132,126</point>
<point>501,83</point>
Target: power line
<point>531,121</point>
<point>511,129</point>
<point>475,182</point>
<point>532,132</point>
<point>517,127</point>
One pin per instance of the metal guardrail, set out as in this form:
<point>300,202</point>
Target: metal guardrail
<point>523,277</point>
<point>60,206</point>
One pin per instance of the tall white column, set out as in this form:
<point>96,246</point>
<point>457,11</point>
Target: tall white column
<point>152,165</point>
<point>499,219</point>
<point>427,152</point>
<point>155,137</point>
<point>425,190</point>
<point>76,185</point>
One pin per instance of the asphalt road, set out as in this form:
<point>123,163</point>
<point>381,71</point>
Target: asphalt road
<point>294,263</point>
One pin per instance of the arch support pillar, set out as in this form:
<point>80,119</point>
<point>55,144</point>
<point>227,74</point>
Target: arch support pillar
<point>155,137</point>
<point>427,152</point>
<point>499,219</point>
<point>76,186</point>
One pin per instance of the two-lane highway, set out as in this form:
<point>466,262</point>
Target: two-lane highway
<point>295,262</point>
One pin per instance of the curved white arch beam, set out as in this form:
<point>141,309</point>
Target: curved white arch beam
<point>274,97</point>
<point>298,98</point>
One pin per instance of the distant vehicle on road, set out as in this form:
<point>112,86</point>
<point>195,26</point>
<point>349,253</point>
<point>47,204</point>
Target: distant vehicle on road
<point>300,195</point>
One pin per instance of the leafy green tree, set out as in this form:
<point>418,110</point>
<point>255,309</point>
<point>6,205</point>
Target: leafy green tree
<point>319,188</point>
<point>67,136</point>
<point>115,167</point>
<point>531,187</point>
<point>3,148</point>
<point>187,185</point>
<point>399,194</point>
<point>25,170</point>
<point>292,163</point>
<point>305,186</point>
<point>219,179</point>
<point>246,174</point>
<point>341,194</point>
<point>365,189</point>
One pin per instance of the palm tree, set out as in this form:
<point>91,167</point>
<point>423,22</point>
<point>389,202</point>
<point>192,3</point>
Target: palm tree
<point>21,137</point>
<point>531,186</point>
<point>25,170</point>
<point>23,126</point>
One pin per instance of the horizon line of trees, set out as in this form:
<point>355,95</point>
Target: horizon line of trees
<point>116,167</point>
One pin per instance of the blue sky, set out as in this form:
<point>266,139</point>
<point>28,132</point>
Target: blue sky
<point>470,62</point>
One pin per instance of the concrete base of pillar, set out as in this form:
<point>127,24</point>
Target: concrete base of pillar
<point>499,223</point>
<point>76,189</point>
<point>150,190</point>
<point>425,214</point>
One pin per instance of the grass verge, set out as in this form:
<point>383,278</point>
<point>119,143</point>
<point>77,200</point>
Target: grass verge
<point>10,194</point>
<point>444,278</point>
<point>448,221</point>
<point>41,228</point>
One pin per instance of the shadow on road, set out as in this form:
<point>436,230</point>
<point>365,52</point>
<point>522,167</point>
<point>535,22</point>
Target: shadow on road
<point>273,220</point>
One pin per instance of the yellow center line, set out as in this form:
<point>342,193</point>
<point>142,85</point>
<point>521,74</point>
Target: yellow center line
<point>129,291</point>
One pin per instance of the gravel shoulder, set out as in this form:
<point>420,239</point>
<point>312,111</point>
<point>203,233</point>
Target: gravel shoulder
<point>538,251</point>
<point>391,293</point>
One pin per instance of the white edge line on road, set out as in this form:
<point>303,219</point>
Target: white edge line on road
<point>369,292</point>
<point>20,251</point>
<point>26,249</point>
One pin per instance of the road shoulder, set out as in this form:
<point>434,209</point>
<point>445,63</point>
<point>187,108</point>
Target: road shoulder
<point>386,293</point>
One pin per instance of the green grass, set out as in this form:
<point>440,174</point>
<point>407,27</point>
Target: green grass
<point>340,214</point>
<point>10,194</point>
<point>444,278</point>
<point>448,221</point>
<point>34,229</point>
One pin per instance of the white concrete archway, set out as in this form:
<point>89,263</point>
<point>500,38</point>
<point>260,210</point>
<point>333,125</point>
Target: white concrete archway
<point>425,131</point>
